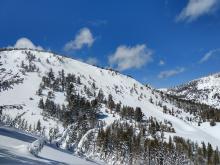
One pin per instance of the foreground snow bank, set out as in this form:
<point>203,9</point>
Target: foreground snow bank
<point>13,151</point>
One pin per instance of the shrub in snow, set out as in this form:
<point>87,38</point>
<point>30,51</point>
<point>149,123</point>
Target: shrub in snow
<point>35,147</point>
<point>212,123</point>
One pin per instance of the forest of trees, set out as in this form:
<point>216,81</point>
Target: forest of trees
<point>132,139</point>
<point>125,143</point>
<point>83,114</point>
<point>8,79</point>
<point>201,112</point>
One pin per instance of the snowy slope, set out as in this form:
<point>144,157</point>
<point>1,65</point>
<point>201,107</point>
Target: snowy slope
<point>204,90</point>
<point>123,89</point>
<point>13,150</point>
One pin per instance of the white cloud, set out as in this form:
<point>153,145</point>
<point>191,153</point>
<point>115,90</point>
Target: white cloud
<point>130,57</point>
<point>170,73</point>
<point>25,43</point>
<point>196,9</point>
<point>208,55</point>
<point>92,61</point>
<point>83,38</point>
<point>161,63</point>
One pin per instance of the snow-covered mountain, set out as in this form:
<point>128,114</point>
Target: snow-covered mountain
<point>203,90</point>
<point>34,97</point>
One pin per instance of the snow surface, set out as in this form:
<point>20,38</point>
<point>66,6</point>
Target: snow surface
<point>123,89</point>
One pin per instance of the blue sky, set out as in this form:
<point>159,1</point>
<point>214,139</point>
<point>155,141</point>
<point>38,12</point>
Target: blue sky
<point>162,42</point>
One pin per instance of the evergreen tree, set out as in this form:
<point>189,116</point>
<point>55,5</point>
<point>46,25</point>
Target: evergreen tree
<point>50,95</point>
<point>216,160</point>
<point>39,91</point>
<point>38,126</point>
<point>51,75</point>
<point>204,150</point>
<point>41,104</point>
<point>26,126</point>
<point>93,85</point>
<point>63,79</point>
<point>78,80</point>
<point>30,128</point>
<point>209,153</point>
<point>118,107</point>
<point>138,114</point>
<point>69,91</point>
<point>111,103</point>
<point>100,96</point>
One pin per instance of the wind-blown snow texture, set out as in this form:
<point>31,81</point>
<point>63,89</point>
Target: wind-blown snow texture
<point>123,89</point>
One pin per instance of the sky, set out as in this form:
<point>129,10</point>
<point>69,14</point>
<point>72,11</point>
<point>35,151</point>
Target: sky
<point>163,43</point>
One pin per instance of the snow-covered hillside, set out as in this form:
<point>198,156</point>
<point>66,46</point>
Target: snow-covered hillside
<point>204,90</point>
<point>23,71</point>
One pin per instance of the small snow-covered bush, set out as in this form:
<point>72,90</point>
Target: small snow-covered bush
<point>212,123</point>
<point>35,147</point>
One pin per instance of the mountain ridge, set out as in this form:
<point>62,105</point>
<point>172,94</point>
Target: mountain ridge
<point>204,90</point>
<point>35,96</point>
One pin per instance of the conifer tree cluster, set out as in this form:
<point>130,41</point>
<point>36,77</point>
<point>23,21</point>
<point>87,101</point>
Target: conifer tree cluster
<point>79,113</point>
<point>29,65</point>
<point>201,112</point>
<point>122,143</point>
<point>134,139</point>
<point>8,79</point>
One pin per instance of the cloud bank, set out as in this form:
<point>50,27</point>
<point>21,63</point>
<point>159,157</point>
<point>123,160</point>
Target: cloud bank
<point>170,73</point>
<point>92,61</point>
<point>25,43</point>
<point>161,63</point>
<point>83,38</point>
<point>126,57</point>
<point>196,9</point>
<point>210,54</point>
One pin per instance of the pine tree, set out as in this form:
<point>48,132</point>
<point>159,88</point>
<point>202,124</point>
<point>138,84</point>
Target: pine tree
<point>30,128</point>
<point>209,153</point>
<point>138,114</point>
<point>22,64</point>
<point>51,75</point>
<point>63,79</point>
<point>204,150</point>
<point>78,81</point>
<point>170,144</point>
<point>41,104</point>
<point>111,103</point>
<point>100,96</point>
<point>1,108</point>
<point>93,85</point>
<point>39,91</point>
<point>118,107</point>
<point>38,126</point>
<point>26,126</point>
<point>69,91</point>
<point>216,160</point>
<point>151,100</point>
<point>22,124</point>
<point>50,94</point>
